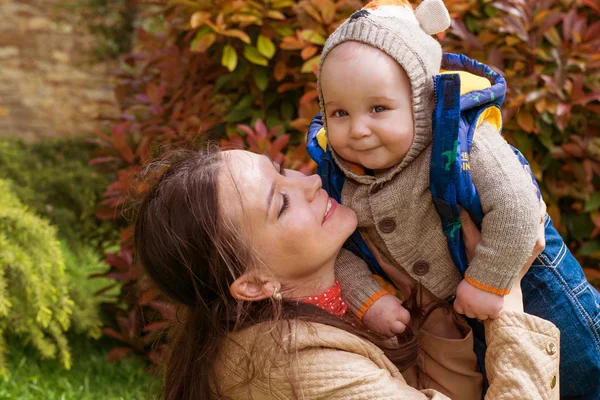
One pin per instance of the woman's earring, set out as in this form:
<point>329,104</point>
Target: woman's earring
<point>276,295</point>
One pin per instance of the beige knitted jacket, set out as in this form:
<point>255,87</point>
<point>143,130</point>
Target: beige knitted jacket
<point>396,213</point>
<point>522,363</point>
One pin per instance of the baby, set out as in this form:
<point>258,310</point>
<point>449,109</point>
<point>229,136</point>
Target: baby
<point>381,110</point>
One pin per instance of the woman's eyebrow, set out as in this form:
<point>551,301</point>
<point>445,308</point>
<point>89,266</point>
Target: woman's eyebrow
<point>270,199</point>
<point>272,189</point>
<point>278,167</point>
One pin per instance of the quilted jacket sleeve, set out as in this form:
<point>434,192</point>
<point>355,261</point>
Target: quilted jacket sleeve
<point>522,357</point>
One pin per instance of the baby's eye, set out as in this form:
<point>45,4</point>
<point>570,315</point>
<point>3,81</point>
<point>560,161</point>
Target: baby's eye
<point>340,113</point>
<point>379,109</point>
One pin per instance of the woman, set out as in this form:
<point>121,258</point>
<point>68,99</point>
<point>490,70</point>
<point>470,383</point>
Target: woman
<point>247,250</point>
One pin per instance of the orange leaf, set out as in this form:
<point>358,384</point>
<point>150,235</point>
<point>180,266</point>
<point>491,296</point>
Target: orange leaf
<point>308,52</point>
<point>236,33</point>
<point>309,9</point>
<point>288,86</point>
<point>274,14</point>
<point>291,43</point>
<point>327,8</point>
<point>280,71</point>
<point>199,18</point>
<point>525,121</point>
<point>309,96</point>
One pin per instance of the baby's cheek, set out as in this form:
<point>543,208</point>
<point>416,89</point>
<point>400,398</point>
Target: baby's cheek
<point>346,153</point>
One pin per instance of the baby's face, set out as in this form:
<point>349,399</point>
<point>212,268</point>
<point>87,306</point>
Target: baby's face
<point>368,105</point>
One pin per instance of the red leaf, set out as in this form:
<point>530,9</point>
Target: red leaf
<point>261,129</point>
<point>120,143</point>
<point>118,353</point>
<point>568,24</point>
<point>117,261</point>
<point>278,144</point>
<point>157,326</point>
<point>246,129</point>
<point>148,296</point>
<point>114,334</point>
<point>593,32</point>
<point>573,150</point>
<point>132,322</point>
<point>593,5</point>
<point>102,160</point>
<point>166,310</point>
<point>107,214</point>
<point>126,234</point>
<point>275,130</point>
<point>563,115</point>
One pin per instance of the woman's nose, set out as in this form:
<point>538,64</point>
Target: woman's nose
<point>312,185</point>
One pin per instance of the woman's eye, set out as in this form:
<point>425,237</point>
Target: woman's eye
<point>340,113</point>
<point>379,109</point>
<point>285,206</point>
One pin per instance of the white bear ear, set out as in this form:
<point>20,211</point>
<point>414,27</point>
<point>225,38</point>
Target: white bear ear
<point>433,16</point>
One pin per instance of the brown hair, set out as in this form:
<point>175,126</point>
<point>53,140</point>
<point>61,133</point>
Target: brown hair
<point>193,258</point>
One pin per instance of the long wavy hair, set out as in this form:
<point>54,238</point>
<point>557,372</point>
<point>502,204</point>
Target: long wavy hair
<point>193,253</point>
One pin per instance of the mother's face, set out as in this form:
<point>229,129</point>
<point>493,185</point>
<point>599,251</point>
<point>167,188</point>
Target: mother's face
<point>292,224</point>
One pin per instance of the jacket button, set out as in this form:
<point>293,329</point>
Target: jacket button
<point>376,187</point>
<point>551,348</point>
<point>421,268</point>
<point>553,382</point>
<point>387,225</point>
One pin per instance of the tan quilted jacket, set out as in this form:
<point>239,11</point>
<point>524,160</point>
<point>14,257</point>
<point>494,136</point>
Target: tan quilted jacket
<point>522,363</point>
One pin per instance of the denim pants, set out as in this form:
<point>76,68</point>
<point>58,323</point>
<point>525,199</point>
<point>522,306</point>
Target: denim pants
<point>556,289</point>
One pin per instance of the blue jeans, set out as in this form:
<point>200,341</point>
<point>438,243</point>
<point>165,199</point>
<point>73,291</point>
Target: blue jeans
<point>556,289</point>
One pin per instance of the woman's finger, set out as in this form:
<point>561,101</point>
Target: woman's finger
<point>471,234</point>
<point>458,307</point>
<point>481,316</point>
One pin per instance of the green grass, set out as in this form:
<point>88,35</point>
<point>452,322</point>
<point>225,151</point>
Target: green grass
<point>90,378</point>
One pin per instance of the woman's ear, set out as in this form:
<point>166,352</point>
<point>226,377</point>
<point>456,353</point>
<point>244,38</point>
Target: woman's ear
<point>250,287</point>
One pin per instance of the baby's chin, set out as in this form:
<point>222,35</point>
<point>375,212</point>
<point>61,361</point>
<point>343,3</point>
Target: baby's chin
<point>379,164</point>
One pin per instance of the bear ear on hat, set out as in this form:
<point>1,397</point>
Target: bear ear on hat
<point>433,16</point>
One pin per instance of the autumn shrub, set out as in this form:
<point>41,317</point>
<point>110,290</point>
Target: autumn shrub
<point>244,72</point>
<point>54,180</point>
<point>34,293</point>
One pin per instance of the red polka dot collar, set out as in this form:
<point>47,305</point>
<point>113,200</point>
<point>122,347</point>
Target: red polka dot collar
<point>329,300</point>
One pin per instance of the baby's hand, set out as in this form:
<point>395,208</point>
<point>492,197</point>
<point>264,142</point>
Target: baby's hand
<point>387,316</point>
<point>477,303</point>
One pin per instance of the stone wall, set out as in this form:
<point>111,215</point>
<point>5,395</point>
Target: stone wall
<point>48,85</point>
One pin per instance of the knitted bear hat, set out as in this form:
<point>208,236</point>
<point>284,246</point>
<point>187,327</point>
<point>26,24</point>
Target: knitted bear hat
<point>405,35</point>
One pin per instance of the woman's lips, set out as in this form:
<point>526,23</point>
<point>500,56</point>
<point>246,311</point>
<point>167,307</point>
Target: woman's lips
<point>331,206</point>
